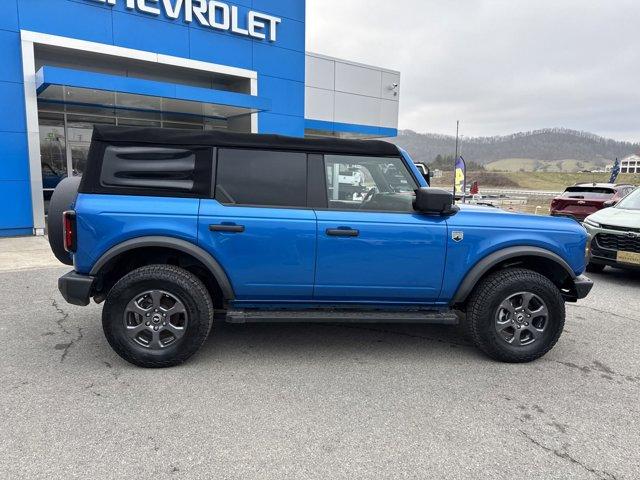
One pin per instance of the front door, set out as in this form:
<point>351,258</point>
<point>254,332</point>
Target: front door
<point>258,225</point>
<point>372,246</point>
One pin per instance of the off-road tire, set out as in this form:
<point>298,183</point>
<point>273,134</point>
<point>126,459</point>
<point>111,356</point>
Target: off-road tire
<point>595,267</point>
<point>485,301</point>
<point>176,281</point>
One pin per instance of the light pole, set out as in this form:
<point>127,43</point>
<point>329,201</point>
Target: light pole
<point>457,132</point>
<point>455,160</point>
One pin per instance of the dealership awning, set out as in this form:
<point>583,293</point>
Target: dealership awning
<point>81,87</point>
<point>320,128</point>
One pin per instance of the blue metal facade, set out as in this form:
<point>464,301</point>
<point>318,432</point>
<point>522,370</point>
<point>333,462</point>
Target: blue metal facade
<point>280,66</point>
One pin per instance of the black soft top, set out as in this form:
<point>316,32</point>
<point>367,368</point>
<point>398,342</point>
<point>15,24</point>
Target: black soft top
<point>216,138</point>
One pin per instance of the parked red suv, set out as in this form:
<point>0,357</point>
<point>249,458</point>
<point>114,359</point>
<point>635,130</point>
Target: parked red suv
<point>583,199</point>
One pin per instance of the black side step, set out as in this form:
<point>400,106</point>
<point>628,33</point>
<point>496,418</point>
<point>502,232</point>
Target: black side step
<point>344,316</point>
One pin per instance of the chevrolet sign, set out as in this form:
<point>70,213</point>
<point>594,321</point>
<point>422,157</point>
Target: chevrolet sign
<point>213,14</point>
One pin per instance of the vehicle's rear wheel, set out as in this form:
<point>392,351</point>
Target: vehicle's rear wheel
<point>157,316</point>
<point>595,267</point>
<point>515,315</point>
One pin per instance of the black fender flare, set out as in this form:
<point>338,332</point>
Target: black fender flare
<point>490,261</point>
<point>176,244</point>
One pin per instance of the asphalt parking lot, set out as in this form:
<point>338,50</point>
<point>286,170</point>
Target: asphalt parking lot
<point>319,401</point>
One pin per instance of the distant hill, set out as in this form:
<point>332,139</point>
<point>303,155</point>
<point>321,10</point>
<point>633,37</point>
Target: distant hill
<point>554,149</point>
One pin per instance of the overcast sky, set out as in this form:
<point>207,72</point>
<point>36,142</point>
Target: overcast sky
<point>498,66</point>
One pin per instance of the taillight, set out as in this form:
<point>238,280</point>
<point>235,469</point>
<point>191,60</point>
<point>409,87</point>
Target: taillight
<point>69,222</point>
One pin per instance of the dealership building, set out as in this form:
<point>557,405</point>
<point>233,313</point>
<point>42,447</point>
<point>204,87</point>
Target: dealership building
<point>241,66</point>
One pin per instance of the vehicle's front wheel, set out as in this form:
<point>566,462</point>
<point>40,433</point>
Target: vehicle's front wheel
<point>515,315</point>
<point>157,316</point>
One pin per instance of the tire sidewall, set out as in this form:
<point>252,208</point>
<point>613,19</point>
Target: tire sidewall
<point>131,286</point>
<point>485,324</point>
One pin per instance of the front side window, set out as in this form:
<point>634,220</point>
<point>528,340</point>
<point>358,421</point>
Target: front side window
<point>261,178</point>
<point>369,183</point>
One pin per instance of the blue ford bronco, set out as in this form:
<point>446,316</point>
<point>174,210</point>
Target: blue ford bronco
<point>172,229</point>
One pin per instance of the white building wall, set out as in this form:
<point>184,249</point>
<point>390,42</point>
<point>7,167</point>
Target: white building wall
<point>348,92</point>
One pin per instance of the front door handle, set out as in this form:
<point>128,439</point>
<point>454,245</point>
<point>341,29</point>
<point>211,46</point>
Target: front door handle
<point>342,232</point>
<point>226,228</point>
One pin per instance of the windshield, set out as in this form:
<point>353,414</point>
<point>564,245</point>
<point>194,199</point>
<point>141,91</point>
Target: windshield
<point>631,201</point>
<point>593,193</point>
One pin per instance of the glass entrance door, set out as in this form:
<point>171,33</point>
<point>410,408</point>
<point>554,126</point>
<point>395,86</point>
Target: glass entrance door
<point>78,145</point>
<point>53,154</point>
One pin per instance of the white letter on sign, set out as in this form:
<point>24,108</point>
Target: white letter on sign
<point>256,27</point>
<point>172,12</point>
<point>199,9</point>
<point>234,23</point>
<point>225,19</point>
<point>273,24</point>
<point>143,7</point>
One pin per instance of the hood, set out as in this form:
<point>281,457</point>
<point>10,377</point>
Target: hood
<point>617,217</point>
<point>480,208</point>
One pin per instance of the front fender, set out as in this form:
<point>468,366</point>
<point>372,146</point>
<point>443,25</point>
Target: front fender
<point>487,234</point>
<point>490,261</point>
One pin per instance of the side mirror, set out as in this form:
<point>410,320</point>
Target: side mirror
<point>434,201</point>
<point>609,203</point>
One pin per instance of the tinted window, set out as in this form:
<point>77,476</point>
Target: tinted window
<point>369,183</point>
<point>256,177</point>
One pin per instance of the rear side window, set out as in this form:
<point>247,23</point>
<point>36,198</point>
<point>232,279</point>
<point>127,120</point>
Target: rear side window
<point>261,178</point>
<point>146,167</point>
<point>169,171</point>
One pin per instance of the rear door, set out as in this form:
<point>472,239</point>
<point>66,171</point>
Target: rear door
<point>372,246</point>
<point>258,226</point>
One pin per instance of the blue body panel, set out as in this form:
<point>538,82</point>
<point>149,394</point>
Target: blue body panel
<point>284,255</point>
<point>104,221</point>
<point>273,259</point>
<point>397,257</point>
<point>487,230</point>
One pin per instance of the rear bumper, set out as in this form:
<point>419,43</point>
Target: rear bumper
<point>583,286</point>
<point>76,288</point>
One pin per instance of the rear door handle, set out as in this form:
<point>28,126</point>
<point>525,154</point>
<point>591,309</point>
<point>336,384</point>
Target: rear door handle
<point>226,228</point>
<point>342,232</point>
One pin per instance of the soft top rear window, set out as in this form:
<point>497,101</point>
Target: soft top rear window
<point>588,192</point>
<point>162,170</point>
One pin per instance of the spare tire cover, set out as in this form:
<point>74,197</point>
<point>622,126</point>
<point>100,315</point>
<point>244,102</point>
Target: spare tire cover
<point>62,200</point>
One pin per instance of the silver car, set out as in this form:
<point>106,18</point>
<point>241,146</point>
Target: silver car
<point>614,235</point>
